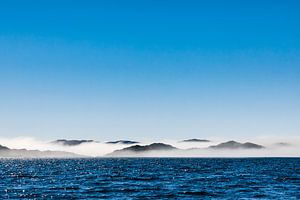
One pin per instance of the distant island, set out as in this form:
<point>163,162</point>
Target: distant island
<point>195,140</point>
<point>141,150</point>
<point>122,142</point>
<point>2,148</point>
<point>71,142</point>
<point>282,144</point>
<point>138,149</point>
<point>6,152</point>
<point>154,149</point>
<point>236,145</point>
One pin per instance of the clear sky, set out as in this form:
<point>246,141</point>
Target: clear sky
<point>149,69</point>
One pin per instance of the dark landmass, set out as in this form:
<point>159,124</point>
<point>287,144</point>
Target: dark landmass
<point>71,142</point>
<point>236,145</point>
<point>138,149</point>
<point>122,142</point>
<point>195,140</point>
<point>3,148</point>
<point>6,152</point>
<point>283,144</point>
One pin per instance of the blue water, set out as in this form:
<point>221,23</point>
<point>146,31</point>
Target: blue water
<point>151,178</point>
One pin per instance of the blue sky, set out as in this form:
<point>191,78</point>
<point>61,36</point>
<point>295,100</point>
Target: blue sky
<point>149,69</point>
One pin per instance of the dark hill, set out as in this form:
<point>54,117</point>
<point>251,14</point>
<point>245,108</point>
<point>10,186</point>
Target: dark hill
<point>282,144</point>
<point>71,142</point>
<point>2,148</point>
<point>195,140</point>
<point>122,142</point>
<point>236,145</point>
<point>136,149</point>
<point>6,152</point>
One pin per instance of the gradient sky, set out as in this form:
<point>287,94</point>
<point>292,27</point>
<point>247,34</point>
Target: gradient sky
<point>149,69</point>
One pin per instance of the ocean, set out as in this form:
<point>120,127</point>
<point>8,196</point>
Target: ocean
<point>150,178</point>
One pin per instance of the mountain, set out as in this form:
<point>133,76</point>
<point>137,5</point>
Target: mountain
<point>139,149</point>
<point>236,145</point>
<point>195,140</point>
<point>6,152</point>
<point>154,148</point>
<point>282,144</point>
<point>122,142</point>
<point>71,142</point>
<point>3,148</point>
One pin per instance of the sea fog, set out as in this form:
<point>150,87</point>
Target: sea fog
<point>275,147</point>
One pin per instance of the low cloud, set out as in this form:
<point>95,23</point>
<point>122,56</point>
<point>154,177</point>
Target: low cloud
<point>274,147</point>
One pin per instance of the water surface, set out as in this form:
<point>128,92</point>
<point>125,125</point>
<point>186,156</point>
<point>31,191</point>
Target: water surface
<point>151,178</point>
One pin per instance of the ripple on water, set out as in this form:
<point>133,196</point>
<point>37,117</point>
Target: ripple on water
<point>189,178</point>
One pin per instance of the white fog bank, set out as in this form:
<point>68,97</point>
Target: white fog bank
<point>275,147</point>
